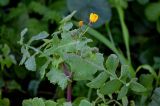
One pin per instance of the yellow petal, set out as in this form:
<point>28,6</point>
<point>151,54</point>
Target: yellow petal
<point>93,18</point>
<point>80,23</point>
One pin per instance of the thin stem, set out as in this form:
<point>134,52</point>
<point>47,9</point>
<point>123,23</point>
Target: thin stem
<point>97,99</point>
<point>69,86</point>
<point>124,31</point>
<point>89,93</point>
<point>114,101</point>
<point>84,31</point>
<point>69,92</point>
<point>109,33</point>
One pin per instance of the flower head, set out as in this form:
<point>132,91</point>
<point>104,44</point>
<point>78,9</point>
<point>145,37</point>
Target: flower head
<point>93,17</point>
<point>80,23</point>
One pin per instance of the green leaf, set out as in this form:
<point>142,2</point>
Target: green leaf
<point>13,85</point>
<point>103,104</point>
<point>35,26</point>
<point>85,7</point>
<point>124,72</point>
<point>125,101</point>
<point>43,68</point>
<point>7,61</point>
<point>67,26</point>
<point>143,1</point>
<point>112,63</point>
<point>85,103</point>
<point>137,87</point>
<point>68,18</point>
<point>38,7</point>
<point>155,98</point>
<point>23,32</point>
<point>110,87</point>
<point>12,59</point>
<point>152,11</point>
<point>61,101</point>
<point>33,102</point>
<point>82,68</point>
<point>67,44</point>
<point>4,102</point>
<point>57,76</point>
<point>132,103</point>
<point>6,50</point>
<point>50,103</point>
<point>104,40</point>
<point>30,64</point>
<point>149,68</point>
<point>52,15</point>
<point>40,36</point>
<point>147,81</point>
<point>67,104</point>
<point>107,43</point>
<point>122,93</point>
<point>33,87</point>
<point>77,101</point>
<point>4,2</point>
<point>25,55</point>
<point>99,80</point>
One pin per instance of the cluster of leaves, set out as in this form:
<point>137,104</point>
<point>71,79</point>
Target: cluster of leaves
<point>15,16</point>
<point>32,14</point>
<point>42,102</point>
<point>6,60</point>
<point>139,15</point>
<point>65,47</point>
<point>68,57</point>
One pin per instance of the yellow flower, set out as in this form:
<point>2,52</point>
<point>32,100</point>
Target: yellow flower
<point>80,23</point>
<point>93,17</point>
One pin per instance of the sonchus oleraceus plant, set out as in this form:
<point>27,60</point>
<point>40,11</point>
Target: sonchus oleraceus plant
<point>65,56</point>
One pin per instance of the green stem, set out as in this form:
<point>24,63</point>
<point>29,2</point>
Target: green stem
<point>124,31</point>
<point>109,33</point>
<point>96,101</point>
<point>84,31</point>
<point>114,101</point>
<point>89,93</point>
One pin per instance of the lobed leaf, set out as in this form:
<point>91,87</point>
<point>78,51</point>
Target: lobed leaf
<point>99,80</point>
<point>124,72</point>
<point>30,64</point>
<point>110,87</point>
<point>85,103</point>
<point>137,87</point>
<point>50,103</point>
<point>57,76</point>
<point>40,36</point>
<point>82,68</point>
<point>112,63</point>
<point>33,102</point>
<point>123,91</point>
<point>25,55</point>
